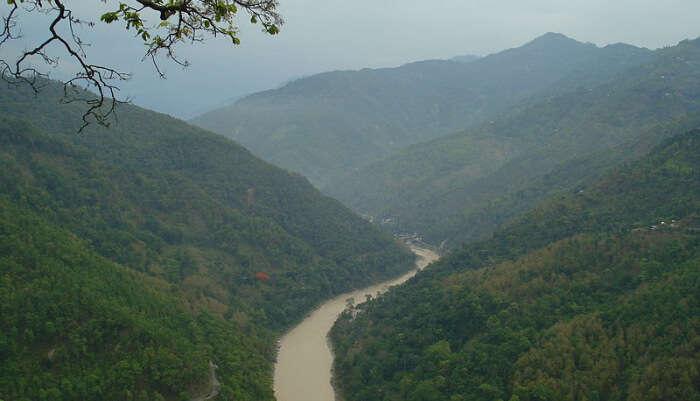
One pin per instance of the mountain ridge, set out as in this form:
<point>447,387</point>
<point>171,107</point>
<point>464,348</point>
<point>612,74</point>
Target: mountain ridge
<point>458,174</point>
<point>329,124</point>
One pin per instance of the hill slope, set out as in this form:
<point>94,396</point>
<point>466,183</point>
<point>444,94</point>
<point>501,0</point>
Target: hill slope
<point>586,297</point>
<point>228,247</point>
<point>445,189</point>
<point>330,124</point>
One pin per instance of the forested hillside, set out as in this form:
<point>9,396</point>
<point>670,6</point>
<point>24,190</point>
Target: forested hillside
<point>465,185</point>
<point>592,296</point>
<point>132,256</point>
<point>330,124</point>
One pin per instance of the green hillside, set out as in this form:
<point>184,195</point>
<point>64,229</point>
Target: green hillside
<point>77,326</point>
<point>593,296</point>
<point>330,124</point>
<point>206,252</point>
<point>462,186</point>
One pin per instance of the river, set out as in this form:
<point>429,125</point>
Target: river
<point>304,361</point>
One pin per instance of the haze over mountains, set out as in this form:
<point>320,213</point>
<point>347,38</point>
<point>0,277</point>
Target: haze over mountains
<point>559,179</point>
<point>392,144</point>
<point>330,124</point>
<point>568,278</point>
<point>463,185</point>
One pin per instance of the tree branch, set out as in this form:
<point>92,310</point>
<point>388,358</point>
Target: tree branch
<point>194,18</point>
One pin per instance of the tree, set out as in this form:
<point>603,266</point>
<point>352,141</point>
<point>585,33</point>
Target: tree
<point>162,25</point>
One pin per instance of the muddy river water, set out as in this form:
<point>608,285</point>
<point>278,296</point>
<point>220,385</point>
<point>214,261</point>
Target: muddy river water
<point>303,369</point>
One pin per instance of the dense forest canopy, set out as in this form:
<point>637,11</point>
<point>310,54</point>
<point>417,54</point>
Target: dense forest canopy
<point>136,251</point>
<point>592,296</point>
<point>155,260</point>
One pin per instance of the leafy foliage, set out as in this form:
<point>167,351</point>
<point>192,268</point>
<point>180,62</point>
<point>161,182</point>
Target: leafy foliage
<point>191,22</point>
<point>214,17</point>
<point>586,297</point>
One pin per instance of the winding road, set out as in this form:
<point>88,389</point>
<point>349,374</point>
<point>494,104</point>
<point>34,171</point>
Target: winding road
<point>215,385</point>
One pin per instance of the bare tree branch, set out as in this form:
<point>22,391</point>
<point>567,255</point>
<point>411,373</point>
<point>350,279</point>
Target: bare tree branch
<point>193,19</point>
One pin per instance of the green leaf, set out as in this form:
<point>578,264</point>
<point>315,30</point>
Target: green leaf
<point>109,17</point>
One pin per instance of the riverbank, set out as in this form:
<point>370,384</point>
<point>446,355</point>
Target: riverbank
<point>305,360</point>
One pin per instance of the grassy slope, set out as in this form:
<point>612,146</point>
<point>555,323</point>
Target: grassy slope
<point>576,300</point>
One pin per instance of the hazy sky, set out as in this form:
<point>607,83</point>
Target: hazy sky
<point>333,34</point>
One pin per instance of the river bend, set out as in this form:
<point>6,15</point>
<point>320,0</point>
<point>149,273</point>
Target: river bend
<point>304,360</point>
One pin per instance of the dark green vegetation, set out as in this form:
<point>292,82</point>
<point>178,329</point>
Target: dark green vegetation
<point>128,256</point>
<point>592,296</point>
<point>328,125</point>
<point>463,186</point>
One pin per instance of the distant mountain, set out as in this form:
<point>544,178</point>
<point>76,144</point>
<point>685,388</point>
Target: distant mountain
<point>330,124</point>
<point>207,107</point>
<point>593,295</point>
<point>131,257</point>
<point>467,58</point>
<point>462,186</point>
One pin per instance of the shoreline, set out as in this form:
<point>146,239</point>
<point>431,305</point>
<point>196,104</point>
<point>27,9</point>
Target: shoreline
<point>303,368</point>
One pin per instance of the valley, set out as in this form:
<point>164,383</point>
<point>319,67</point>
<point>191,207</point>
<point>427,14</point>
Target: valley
<point>168,246</point>
<point>556,185</point>
<point>329,125</point>
<point>303,371</point>
<point>588,295</point>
